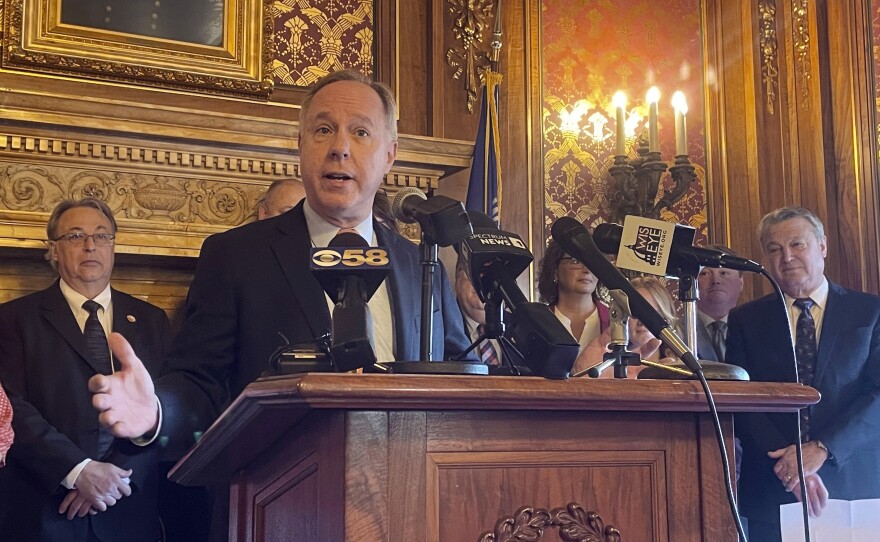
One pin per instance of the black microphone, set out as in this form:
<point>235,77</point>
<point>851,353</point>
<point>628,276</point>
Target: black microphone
<point>350,271</point>
<point>682,255</point>
<point>494,258</point>
<point>443,220</point>
<point>577,242</point>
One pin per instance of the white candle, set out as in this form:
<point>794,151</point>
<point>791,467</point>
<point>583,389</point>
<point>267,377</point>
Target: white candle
<point>653,98</point>
<point>679,103</point>
<point>619,102</point>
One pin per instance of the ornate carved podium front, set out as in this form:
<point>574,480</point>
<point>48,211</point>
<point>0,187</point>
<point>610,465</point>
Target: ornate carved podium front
<point>327,457</point>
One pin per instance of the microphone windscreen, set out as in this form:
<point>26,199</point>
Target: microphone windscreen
<point>607,237</point>
<point>348,239</point>
<point>481,222</point>
<point>397,207</point>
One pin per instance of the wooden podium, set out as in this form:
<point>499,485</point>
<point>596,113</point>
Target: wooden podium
<point>405,458</point>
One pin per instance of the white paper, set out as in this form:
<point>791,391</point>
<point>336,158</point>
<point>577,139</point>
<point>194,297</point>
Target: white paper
<point>645,245</point>
<point>841,521</point>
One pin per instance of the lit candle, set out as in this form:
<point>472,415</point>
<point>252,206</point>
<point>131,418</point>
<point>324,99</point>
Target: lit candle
<point>619,102</point>
<point>653,98</point>
<point>679,103</point>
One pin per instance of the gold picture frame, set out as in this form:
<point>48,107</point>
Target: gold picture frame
<point>234,60</point>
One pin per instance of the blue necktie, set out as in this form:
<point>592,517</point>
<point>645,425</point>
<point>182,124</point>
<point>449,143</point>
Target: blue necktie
<point>806,350</point>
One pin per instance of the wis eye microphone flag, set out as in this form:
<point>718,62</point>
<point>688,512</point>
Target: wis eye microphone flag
<point>484,186</point>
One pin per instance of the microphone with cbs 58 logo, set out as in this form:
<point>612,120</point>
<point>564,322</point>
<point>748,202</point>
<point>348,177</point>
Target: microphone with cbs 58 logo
<point>350,271</point>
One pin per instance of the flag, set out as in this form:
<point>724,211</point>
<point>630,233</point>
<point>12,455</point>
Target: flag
<point>484,186</point>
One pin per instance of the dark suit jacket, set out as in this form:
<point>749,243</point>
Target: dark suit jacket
<point>45,367</point>
<point>253,283</point>
<point>847,419</point>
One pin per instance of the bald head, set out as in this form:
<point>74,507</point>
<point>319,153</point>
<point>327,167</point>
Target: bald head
<point>281,196</point>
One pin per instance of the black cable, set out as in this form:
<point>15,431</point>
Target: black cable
<point>725,461</point>
<point>798,446</point>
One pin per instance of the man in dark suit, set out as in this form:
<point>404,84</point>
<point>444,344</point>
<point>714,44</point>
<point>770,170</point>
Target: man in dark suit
<point>837,336</point>
<point>719,293</point>
<point>68,479</point>
<point>253,284</point>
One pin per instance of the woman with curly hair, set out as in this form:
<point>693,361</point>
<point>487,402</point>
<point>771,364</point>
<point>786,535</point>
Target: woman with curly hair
<point>569,288</point>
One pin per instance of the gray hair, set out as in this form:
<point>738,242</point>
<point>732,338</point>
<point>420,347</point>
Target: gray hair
<point>787,213</point>
<point>66,205</point>
<point>389,104</point>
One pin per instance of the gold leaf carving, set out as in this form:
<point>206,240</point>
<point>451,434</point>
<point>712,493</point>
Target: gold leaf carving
<point>111,59</point>
<point>769,68</point>
<point>470,19</point>
<point>803,66</point>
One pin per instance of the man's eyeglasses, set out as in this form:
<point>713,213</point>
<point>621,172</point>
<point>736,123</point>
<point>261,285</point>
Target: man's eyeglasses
<point>78,239</point>
<point>571,262</point>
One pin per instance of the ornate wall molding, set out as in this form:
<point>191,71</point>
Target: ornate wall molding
<point>470,18</point>
<point>801,40</point>
<point>769,45</point>
<point>34,39</point>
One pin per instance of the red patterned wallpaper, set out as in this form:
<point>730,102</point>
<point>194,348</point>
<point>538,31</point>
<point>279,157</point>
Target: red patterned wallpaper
<point>316,37</point>
<point>591,49</point>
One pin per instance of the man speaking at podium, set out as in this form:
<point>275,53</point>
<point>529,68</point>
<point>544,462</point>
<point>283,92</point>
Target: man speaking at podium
<point>253,283</point>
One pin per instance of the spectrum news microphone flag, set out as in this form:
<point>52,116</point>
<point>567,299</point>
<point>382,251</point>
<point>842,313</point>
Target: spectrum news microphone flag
<point>484,186</point>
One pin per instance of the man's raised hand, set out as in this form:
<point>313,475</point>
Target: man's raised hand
<point>126,399</point>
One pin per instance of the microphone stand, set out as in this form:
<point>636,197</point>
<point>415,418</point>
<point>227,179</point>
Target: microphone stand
<point>429,261</point>
<point>494,329</point>
<point>618,356</point>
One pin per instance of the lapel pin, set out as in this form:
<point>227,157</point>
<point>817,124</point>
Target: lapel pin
<point>131,318</point>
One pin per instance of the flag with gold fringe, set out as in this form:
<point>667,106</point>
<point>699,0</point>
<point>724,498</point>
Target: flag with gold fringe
<point>484,186</point>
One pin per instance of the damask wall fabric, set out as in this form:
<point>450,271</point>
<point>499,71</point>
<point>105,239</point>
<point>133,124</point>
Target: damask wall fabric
<point>591,49</point>
<point>316,37</point>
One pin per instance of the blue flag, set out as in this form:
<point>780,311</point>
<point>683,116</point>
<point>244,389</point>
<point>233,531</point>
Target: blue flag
<point>484,187</point>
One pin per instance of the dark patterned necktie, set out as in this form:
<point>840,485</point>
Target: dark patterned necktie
<point>488,355</point>
<point>96,339</point>
<point>719,337</point>
<point>806,350</point>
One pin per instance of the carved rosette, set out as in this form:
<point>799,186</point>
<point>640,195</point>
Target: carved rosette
<point>470,18</point>
<point>574,523</point>
<point>769,68</point>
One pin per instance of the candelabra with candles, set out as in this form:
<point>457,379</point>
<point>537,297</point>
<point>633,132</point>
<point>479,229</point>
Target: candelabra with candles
<point>638,180</point>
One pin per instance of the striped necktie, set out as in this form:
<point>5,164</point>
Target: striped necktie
<point>488,355</point>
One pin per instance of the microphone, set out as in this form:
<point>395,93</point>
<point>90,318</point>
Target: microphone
<point>576,241</point>
<point>494,259</point>
<point>682,254</point>
<point>350,271</point>
<point>443,220</point>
